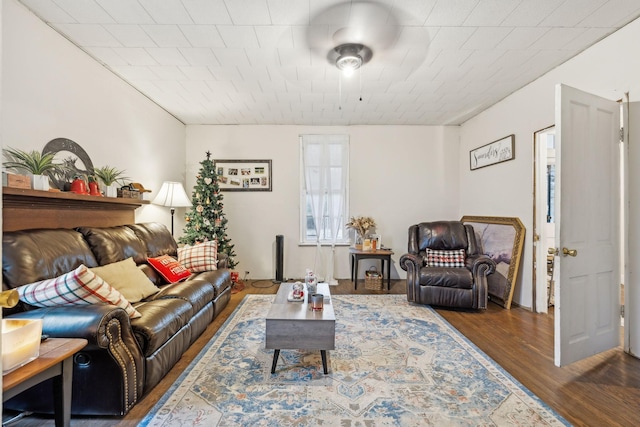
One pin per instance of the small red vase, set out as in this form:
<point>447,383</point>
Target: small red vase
<point>94,189</point>
<point>78,186</point>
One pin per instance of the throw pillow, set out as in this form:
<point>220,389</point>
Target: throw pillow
<point>128,279</point>
<point>78,287</point>
<point>439,258</point>
<point>169,268</point>
<point>200,257</point>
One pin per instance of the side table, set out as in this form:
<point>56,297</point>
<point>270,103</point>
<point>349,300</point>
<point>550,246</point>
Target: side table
<point>55,361</point>
<point>384,255</point>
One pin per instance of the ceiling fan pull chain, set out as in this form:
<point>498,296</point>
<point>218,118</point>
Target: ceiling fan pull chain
<point>340,91</point>
<point>360,76</point>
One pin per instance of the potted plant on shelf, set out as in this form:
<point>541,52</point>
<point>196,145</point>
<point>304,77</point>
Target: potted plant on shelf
<point>34,163</point>
<point>109,177</point>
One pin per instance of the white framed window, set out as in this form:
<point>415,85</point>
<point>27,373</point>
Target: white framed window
<point>324,189</point>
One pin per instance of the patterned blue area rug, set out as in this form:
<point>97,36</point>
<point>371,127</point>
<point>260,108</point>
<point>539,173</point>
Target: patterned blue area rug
<point>395,364</point>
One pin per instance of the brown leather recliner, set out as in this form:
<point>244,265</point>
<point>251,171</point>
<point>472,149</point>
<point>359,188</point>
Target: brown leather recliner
<point>446,286</point>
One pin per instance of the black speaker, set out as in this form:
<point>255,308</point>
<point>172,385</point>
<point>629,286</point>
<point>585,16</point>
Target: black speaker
<point>279,258</point>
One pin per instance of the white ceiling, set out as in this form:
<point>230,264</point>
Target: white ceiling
<point>249,62</point>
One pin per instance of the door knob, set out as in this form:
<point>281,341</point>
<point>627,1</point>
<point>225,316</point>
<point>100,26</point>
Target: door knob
<point>552,251</point>
<point>570,252</point>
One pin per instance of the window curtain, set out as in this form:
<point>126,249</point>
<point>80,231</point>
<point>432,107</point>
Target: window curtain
<point>325,168</point>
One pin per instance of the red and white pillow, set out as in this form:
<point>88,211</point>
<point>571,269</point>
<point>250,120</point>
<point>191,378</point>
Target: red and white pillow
<point>169,268</point>
<point>441,258</point>
<point>199,257</point>
<point>78,287</point>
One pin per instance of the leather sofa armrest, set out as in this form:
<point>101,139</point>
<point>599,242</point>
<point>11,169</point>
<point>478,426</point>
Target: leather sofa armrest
<point>480,265</point>
<point>78,321</point>
<point>411,261</point>
<point>107,330</point>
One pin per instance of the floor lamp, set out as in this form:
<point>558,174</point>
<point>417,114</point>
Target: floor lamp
<point>172,195</point>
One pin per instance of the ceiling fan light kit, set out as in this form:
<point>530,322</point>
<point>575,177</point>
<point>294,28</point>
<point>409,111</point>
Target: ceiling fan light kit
<point>348,63</point>
<point>350,56</point>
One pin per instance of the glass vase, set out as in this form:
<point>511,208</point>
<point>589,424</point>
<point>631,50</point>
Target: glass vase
<point>358,242</point>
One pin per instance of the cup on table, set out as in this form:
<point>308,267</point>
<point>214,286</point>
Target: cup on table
<point>317,302</point>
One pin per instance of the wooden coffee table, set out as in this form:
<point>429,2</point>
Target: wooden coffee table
<point>293,325</point>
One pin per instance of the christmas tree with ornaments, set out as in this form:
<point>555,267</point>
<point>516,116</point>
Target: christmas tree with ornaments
<point>206,221</point>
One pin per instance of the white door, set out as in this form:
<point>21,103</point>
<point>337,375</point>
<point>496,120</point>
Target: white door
<point>587,225</point>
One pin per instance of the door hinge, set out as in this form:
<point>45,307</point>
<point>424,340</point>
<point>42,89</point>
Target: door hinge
<point>622,134</point>
<point>622,311</point>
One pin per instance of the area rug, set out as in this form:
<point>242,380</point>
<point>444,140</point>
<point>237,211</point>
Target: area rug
<point>395,364</point>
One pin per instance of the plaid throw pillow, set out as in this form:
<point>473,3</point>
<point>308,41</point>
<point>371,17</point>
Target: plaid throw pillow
<point>169,268</point>
<point>78,287</point>
<point>200,257</point>
<point>436,258</point>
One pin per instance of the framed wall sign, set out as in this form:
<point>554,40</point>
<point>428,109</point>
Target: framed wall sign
<point>495,152</point>
<point>244,175</point>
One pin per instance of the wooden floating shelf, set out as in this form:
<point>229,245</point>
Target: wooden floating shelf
<point>28,209</point>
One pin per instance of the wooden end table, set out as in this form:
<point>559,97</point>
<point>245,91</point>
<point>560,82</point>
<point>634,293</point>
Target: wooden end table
<point>55,361</point>
<point>384,255</point>
<point>293,325</point>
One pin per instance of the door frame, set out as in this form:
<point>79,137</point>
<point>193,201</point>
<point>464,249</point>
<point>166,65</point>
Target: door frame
<point>628,209</point>
<point>539,234</point>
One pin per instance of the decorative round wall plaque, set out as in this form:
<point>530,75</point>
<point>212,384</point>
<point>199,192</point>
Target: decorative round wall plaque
<point>73,156</point>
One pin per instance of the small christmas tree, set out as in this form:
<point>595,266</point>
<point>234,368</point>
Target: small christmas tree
<point>206,221</point>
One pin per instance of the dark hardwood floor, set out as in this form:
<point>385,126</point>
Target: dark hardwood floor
<point>603,390</point>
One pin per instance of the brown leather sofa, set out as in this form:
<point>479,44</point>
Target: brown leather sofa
<point>124,358</point>
<point>445,286</point>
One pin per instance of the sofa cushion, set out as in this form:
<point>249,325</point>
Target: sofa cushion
<point>113,244</point>
<point>169,268</point>
<point>128,279</point>
<point>441,258</point>
<point>442,235</point>
<point>200,257</point>
<point>78,287</point>
<point>156,237</point>
<point>161,319</point>
<point>29,256</point>
<point>446,277</point>
<point>220,280</point>
<point>197,293</point>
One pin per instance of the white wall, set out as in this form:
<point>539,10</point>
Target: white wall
<point>52,89</point>
<point>608,69</point>
<point>400,175</point>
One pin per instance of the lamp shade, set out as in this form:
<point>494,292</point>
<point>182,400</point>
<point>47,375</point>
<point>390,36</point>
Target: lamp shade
<point>172,194</point>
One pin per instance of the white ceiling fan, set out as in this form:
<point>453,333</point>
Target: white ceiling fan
<point>354,33</point>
